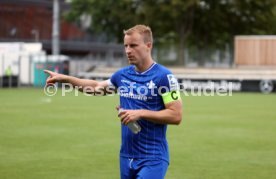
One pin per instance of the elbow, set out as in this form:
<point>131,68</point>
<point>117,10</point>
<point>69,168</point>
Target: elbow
<point>178,119</point>
<point>177,112</point>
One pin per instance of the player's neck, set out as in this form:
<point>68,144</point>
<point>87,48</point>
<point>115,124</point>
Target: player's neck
<point>144,66</point>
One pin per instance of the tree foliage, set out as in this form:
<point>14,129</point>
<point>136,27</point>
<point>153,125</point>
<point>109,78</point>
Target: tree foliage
<point>198,23</point>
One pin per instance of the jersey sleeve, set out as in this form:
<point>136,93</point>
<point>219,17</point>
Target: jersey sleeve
<point>113,81</point>
<point>169,88</point>
<point>168,83</point>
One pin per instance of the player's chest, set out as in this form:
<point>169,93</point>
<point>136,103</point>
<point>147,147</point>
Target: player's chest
<point>143,82</point>
<point>145,86</point>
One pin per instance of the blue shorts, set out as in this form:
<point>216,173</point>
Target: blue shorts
<point>142,168</point>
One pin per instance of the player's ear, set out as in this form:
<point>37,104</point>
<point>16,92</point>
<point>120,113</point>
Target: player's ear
<point>149,45</point>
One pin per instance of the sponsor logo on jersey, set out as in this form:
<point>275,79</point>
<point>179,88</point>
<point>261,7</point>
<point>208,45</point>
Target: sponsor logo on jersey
<point>172,82</point>
<point>134,96</point>
<point>125,81</point>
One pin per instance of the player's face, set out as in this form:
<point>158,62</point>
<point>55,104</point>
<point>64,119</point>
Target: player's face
<point>136,49</point>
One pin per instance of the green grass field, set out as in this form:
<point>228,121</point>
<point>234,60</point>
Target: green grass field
<point>67,137</point>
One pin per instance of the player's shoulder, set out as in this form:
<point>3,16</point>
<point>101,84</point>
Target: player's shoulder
<point>166,75</point>
<point>162,70</point>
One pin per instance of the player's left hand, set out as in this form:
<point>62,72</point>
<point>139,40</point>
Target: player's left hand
<point>127,116</point>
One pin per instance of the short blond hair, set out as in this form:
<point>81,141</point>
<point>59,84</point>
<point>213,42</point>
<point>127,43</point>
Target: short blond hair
<point>144,30</point>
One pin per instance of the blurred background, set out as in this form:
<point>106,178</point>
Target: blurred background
<point>83,38</point>
<point>207,44</point>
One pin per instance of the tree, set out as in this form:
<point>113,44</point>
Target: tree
<point>108,16</point>
<point>171,19</point>
<point>168,19</point>
<point>217,22</point>
<point>198,23</point>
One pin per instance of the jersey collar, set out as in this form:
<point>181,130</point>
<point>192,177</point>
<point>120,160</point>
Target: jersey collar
<point>154,63</point>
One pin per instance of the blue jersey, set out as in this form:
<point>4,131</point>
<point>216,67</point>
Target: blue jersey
<point>143,91</point>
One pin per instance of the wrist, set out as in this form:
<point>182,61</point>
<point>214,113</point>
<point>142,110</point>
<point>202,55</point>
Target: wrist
<point>142,113</point>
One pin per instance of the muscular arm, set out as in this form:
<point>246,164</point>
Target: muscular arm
<point>172,114</point>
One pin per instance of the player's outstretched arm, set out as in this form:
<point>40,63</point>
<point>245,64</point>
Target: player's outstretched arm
<point>84,85</point>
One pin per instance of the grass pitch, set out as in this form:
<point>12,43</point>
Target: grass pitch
<point>79,136</point>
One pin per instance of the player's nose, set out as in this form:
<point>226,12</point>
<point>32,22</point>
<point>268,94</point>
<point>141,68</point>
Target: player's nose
<point>128,50</point>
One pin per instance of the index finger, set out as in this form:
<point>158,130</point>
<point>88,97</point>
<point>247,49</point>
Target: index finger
<point>49,72</point>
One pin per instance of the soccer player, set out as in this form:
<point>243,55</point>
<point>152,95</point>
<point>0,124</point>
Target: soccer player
<point>149,95</point>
